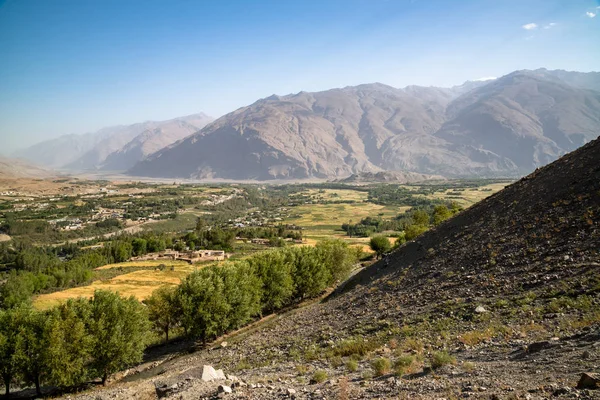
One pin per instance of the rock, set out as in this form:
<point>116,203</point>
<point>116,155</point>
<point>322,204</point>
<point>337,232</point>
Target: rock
<point>220,374</point>
<point>538,346</point>
<point>223,344</point>
<point>291,392</point>
<point>209,374</point>
<point>225,389</point>
<point>585,355</point>
<point>589,380</point>
<point>165,390</point>
<point>232,378</point>
<point>480,310</point>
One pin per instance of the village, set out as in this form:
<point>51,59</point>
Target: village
<point>189,256</point>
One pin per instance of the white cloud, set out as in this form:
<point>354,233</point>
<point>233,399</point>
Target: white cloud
<point>550,25</point>
<point>485,78</point>
<point>530,26</point>
<point>590,14</point>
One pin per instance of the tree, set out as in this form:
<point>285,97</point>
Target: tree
<point>16,290</point>
<point>69,343</point>
<point>204,308</point>
<point>163,310</point>
<point>412,231</point>
<point>400,240</point>
<point>32,347</point>
<point>338,258</point>
<point>421,217</point>
<point>311,276</point>
<point>9,332</point>
<point>380,245</point>
<point>119,328</point>
<point>275,274</point>
<point>242,291</point>
<point>139,246</point>
<point>440,214</point>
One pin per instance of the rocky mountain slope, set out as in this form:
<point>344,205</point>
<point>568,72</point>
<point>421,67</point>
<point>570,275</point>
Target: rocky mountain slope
<point>113,148</point>
<point>500,302</point>
<point>58,152</point>
<point>13,168</point>
<point>153,139</point>
<point>505,127</point>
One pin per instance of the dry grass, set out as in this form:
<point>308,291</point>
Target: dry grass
<point>140,284</point>
<point>148,263</point>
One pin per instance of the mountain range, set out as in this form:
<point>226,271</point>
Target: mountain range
<point>504,127</point>
<point>114,148</point>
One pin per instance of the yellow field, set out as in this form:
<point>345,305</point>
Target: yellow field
<point>147,263</point>
<point>322,221</point>
<point>140,284</point>
<point>469,196</point>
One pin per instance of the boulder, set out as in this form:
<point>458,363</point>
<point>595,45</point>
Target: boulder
<point>209,374</point>
<point>589,380</point>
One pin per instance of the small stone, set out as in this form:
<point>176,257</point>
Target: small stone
<point>223,344</point>
<point>224,389</point>
<point>291,391</point>
<point>480,310</point>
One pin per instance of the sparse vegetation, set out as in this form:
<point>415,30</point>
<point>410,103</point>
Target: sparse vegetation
<point>320,376</point>
<point>381,366</point>
<point>441,358</point>
<point>352,365</point>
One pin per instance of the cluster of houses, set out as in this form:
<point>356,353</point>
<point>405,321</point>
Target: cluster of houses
<point>190,256</point>
<point>102,214</point>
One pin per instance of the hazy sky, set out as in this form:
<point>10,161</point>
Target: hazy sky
<point>74,66</point>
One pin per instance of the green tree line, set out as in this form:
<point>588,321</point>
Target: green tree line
<point>85,339</point>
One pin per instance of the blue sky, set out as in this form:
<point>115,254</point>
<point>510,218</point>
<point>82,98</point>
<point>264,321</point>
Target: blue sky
<point>74,66</point>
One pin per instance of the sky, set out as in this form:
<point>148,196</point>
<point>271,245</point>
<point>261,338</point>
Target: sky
<point>75,66</point>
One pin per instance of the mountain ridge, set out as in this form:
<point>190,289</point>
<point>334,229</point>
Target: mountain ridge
<point>121,145</point>
<point>498,128</point>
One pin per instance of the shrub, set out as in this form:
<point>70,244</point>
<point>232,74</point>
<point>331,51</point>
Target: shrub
<point>301,369</point>
<point>380,245</point>
<point>319,376</point>
<point>336,361</point>
<point>473,338</point>
<point>403,364</point>
<point>354,347</point>
<point>352,365</point>
<point>468,366</point>
<point>381,366</point>
<point>441,358</point>
<point>414,345</point>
